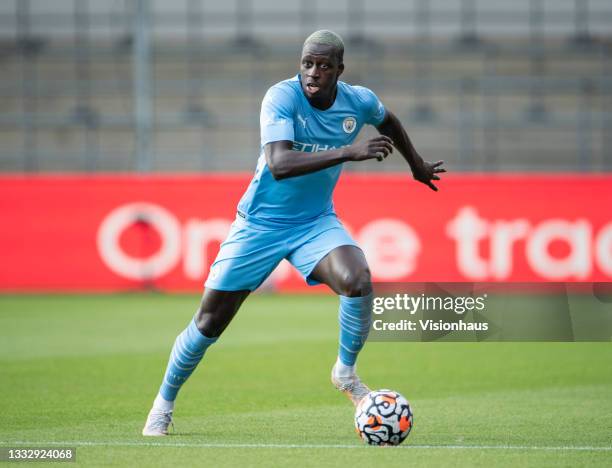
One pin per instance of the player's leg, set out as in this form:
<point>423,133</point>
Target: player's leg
<point>327,254</point>
<point>245,260</point>
<point>216,311</point>
<point>345,271</point>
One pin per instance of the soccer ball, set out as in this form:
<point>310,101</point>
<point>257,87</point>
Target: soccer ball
<point>383,417</point>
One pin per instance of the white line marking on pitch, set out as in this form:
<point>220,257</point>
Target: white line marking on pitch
<point>306,446</point>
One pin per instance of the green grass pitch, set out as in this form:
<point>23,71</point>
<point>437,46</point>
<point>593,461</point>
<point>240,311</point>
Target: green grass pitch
<point>82,371</point>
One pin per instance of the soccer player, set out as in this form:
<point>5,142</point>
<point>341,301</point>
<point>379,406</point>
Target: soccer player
<point>308,127</point>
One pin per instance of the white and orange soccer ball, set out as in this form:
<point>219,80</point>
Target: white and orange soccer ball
<point>383,417</point>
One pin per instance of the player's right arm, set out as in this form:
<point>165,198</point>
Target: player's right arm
<point>284,162</point>
<point>277,135</point>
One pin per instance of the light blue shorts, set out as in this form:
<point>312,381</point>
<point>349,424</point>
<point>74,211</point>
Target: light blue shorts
<point>251,252</point>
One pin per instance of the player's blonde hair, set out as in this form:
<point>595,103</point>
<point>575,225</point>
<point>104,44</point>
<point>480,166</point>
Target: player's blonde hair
<point>327,37</point>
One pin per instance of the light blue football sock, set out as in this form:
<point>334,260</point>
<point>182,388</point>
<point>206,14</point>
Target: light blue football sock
<point>187,352</point>
<point>355,317</point>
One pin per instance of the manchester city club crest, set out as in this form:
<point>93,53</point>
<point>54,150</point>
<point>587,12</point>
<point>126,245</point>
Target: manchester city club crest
<point>349,125</point>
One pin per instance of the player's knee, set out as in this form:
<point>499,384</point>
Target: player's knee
<point>207,324</point>
<point>355,282</point>
<point>217,310</point>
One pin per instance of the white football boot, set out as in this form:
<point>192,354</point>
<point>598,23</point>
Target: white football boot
<point>157,423</point>
<point>351,386</point>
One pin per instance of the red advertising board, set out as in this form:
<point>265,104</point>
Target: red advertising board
<point>114,233</point>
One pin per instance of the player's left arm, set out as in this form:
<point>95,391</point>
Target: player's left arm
<point>422,171</point>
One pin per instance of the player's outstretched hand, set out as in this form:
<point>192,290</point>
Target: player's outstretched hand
<point>426,172</point>
<point>378,148</point>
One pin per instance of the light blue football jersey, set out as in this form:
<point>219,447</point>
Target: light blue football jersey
<point>286,114</point>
